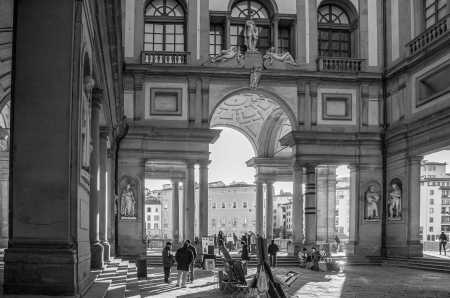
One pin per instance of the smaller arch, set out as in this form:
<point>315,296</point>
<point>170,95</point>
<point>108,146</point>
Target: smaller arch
<point>165,8</point>
<point>270,5</point>
<point>345,5</point>
<point>243,132</point>
<point>263,93</point>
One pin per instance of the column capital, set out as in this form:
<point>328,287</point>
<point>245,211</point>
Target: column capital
<point>415,159</point>
<point>190,163</point>
<point>204,163</point>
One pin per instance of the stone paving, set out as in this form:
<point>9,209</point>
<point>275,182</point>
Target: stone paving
<point>357,281</point>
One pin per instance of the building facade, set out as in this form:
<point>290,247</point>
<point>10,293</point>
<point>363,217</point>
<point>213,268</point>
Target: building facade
<point>434,200</point>
<point>142,85</point>
<point>153,218</point>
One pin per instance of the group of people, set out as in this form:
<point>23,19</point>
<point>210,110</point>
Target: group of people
<point>310,259</point>
<point>231,241</point>
<point>185,258</point>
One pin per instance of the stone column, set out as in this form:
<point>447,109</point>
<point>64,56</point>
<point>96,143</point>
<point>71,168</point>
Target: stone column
<point>269,210</point>
<point>297,206</point>
<point>48,252</point>
<point>322,204</point>
<point>331,204</point>
<point>203,199</point>
<point>4,198</point>
<point>189,203</point>
<point>94,215</point>
<point>275,32</point>
<point>413,240</point>
<point>310,206</point>
<point>354,210</point>
<point>175,211</point>
<point>259,208</point>
<point>104,193</point>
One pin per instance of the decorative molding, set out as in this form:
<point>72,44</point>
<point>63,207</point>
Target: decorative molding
<point>166,102</point>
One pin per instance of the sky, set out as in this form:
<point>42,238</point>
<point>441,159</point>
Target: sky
<point>232,149</point>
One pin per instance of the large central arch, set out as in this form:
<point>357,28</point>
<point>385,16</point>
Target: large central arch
<point>260,115</point>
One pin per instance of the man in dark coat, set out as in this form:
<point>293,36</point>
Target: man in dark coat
<point>184,258</point>
<point>273,249</point>
<point>167,260</point>
<point>191,266</point>
<point>442,243</point>
<point>244,256</point>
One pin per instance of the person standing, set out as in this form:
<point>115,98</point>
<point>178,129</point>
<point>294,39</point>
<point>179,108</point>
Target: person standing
<point>167,260</point>
<point>184,258</point>
<point>244,256</point>
<point>338,243</point>
<point>273,249</point>
<point>443,243</point>
<point>191,265</point>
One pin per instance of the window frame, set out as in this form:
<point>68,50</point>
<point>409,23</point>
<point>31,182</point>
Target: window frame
<point>435,14</point>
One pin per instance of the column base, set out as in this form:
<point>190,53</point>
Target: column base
<point>97,256</point>
<point>45,271</point>
<point>3,242</point>
<point>106,251</point>
<point>410,249</point>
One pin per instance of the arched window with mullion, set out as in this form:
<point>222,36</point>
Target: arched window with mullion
<point>164,28</point>
<point>242,11</point>
<point>334,31</point>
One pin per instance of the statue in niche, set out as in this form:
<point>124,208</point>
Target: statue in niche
<point>86,146</point>
<point>395,200</point>
<point>371,199</point>
<point>227,55</point>
<point>251,36</point>
<point>255,76</point>
<point>272,54</point>
<point>128,202</point>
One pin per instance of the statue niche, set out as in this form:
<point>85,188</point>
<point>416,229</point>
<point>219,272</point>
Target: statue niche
<point>128,198</point>
<point>372,202</point>
<point>394,202</point>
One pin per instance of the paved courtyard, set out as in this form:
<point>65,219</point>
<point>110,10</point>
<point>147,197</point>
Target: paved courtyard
<point>358,281</point>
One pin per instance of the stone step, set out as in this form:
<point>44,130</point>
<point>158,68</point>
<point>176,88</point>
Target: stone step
<point>116,292</point>
<point>418,267</point>
<point>97,290</point>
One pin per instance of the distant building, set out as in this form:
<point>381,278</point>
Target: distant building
<point>153,216</point>
<point>342,218</point>
<point>434,200</point>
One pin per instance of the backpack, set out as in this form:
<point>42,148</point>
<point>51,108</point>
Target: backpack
<point>262,284</point>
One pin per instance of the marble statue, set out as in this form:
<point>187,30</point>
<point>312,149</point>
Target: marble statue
<point>255,76</point>
<point>271,55</point>
<point>128,202</point>
<point>226,55</point>
<point>394,201</point>
<point>371,203</point>
<point>251,36</point>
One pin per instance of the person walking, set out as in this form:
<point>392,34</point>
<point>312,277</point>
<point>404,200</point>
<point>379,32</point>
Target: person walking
<point>273,249</point>
<point>338,243</point>
<point>167,260</point>
<point>443,243</point>
<point>184,258</point>
<point>191,265</point>
<point>244,256</point>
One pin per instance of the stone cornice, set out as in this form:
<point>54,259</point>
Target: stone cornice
<point>221,72</point>
<point>330,138</point>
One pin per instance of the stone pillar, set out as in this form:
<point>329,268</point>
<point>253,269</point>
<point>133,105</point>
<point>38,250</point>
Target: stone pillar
<point>269,210</point>
<point>353,210</point>
<point>175,211</point>
<point>189,203</point>
<point>297,207</point>
<point>331,204</point>
<point>259,208</point>
<point>4,198</point>
<point>203,199</point>
<point>94,214</point>
<point>322,204</point>
<point>310,206</point>
<point>48,251</point>
<point>275,32</point>
<point>413,241</point>
<point>105,191</point>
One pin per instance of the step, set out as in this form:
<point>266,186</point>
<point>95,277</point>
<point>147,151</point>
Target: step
<point>97,290</point>
<point>409,266</point>
<point>116,292</point>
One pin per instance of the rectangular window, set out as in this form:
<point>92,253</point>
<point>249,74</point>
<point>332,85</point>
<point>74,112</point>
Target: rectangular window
<point>334,43</point>
<point>431,229</point>
<point>431,192</point>
<point>431,201</point>
<point>431,219</point>
<point>149,209</point>
<point>156,226</point>
<point>435,10</point>
<point>216,39</point>
<point>163,37</point>
<point>156,217</point>
<point>431,210</point>
<point>244,204</point>
<point>284,40</point>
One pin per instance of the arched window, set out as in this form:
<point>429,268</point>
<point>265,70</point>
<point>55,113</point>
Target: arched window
<point>334,31</point>
<point>435,10</point>
<point>164,28</point>
<point>241,11</point>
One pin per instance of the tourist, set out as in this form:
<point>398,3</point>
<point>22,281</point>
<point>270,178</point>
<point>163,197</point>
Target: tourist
<point>303,257</point>
<point>253,243</point>
<point>191,265</point>
<point>315,257</point>
<point>244,256</point>
<point>273,249</point>
<point>168,261</point>
<point>184,258</point>
<point>235,241</point>
<point>443,242</point>
<point>338,243</point>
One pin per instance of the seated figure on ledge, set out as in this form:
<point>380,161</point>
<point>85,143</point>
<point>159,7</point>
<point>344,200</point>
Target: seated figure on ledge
<point>272,54</point>
<point>226,55</point>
